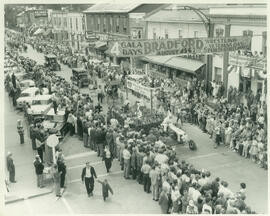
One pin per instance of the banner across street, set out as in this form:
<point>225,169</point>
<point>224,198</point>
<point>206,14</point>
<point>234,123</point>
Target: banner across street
<point>131,48</point>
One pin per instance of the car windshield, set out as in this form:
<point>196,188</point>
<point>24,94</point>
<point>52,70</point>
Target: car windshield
<point>41,102</point>
<point>25,94</point>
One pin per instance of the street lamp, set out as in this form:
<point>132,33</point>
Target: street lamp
<point>209,30</point>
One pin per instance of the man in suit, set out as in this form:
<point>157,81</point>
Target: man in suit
<point>88,175</point>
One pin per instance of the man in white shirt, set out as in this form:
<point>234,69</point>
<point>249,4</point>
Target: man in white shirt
<point>126,156</point>
<point>88,174</point>
<point>223,188</point>
<point>202,181</point>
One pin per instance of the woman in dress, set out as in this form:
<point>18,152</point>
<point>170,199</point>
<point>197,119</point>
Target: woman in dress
<point>228,134</point>
<point>20,131</point>
<point>254,149</point>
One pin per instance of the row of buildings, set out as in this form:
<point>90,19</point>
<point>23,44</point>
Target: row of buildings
<point>91,29</point>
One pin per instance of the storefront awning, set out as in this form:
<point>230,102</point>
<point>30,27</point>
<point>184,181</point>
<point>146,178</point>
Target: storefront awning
<point>184,64</point>
<point>100,45</point>
<point>160,60</point>
<point>39,31</point>
<point>176,62</point>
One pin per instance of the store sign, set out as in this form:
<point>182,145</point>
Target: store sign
<point>102,37</point>
<point>90,36</point>
<point>41,13</point>
<point>248,62</point>
<point>179,46</point>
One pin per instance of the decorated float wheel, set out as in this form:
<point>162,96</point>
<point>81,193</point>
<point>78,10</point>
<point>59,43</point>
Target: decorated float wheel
<point>192,145</point>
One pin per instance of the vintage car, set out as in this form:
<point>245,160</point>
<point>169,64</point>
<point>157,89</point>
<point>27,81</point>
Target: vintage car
<point>51,62</point>
<point>79,77</point>
<point>55,123</point>
<point>24,84</point>
<point>41,105</point>
<point>27,96</point>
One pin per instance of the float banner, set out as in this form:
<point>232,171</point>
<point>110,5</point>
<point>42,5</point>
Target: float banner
<point>130,48</point>
<point>40,13</point>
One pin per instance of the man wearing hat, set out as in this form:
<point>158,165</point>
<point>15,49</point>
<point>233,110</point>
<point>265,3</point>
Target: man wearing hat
<point>39,167</point>
<point>11,167</point>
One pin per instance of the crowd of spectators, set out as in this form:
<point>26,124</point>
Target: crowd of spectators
<point>176,184</point>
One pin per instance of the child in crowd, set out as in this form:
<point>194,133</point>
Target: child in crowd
<point>105,189</point>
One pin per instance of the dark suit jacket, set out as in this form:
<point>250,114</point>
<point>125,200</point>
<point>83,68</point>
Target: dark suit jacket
<point>93,173</point>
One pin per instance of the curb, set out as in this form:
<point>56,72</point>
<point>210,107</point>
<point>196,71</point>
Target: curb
<point>28,197</point>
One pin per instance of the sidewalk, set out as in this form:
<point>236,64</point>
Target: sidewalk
<point>23,157</point>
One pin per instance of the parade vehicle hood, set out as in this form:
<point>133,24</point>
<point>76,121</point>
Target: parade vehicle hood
<point>52,125</point>
<point>59,117</point>
<point>27,83</point>
<point>39,109</point>
<point>25,99</point>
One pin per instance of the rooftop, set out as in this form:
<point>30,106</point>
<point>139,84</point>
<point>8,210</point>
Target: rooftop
<point>176,13</point>
<point>112,8</point>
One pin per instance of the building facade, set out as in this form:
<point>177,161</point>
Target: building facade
<point>76,29</point>
<point>107,22</point>
<point>33,17</point>
<point>243,70</point>
<point>60,26</point>
<point>173,22</point>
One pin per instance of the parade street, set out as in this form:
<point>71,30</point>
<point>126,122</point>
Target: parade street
<point>221,162</point>
<point>135,108</point>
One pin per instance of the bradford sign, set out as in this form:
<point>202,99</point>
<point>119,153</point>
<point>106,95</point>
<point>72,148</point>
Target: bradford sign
<point>131,48</point>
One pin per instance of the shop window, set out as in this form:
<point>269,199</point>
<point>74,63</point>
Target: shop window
<point>218,74</point>
<point>70,21</point>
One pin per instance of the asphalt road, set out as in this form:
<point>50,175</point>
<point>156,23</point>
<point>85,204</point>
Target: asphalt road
<point>221,162</point>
